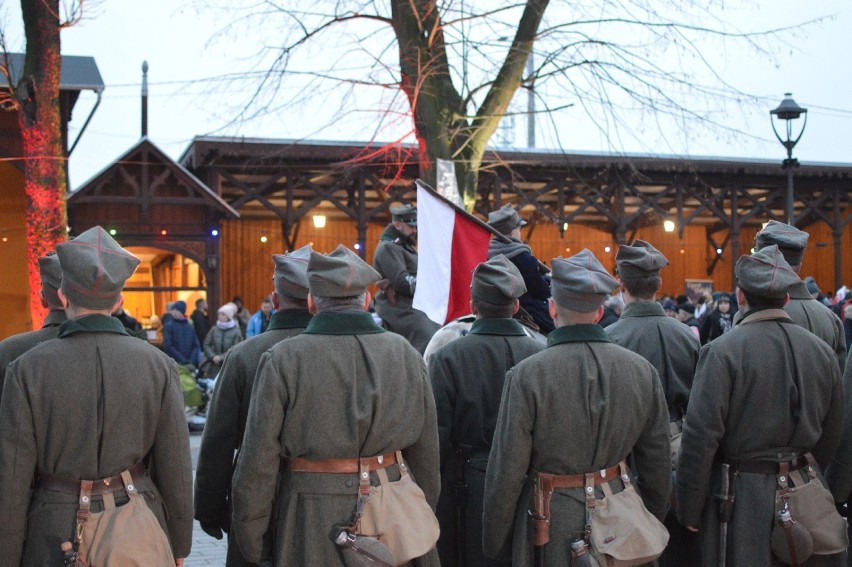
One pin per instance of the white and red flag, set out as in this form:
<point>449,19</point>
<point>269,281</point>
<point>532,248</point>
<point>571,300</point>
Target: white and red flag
<point>450,244</point>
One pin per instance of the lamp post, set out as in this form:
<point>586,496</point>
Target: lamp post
<point>788,111</point>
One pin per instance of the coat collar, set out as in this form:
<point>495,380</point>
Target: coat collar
<point>54,319</point>
<point>91,324</point>
<point>643,309</point>
<point>764,314</point>
<point>342,324</point>
<point>289,319</point>
<point>508,327</point>
<point>586,333</point>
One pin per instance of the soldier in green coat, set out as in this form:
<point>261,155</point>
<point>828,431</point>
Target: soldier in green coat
<point>14,346</point>
<point>228,410</point>
<point>767,392</point>
<point>86,406</point>
<point>580,406</point>
<point>467,379</point>
<point>669,346</point>
<point>802,308</point>
<point>342,390</point>
<point>395,259</point>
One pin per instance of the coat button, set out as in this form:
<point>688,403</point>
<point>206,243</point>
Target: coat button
<point>349,483</point>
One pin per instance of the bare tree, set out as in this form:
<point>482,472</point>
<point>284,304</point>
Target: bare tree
<point>35,99</point>
<point>458,64</point>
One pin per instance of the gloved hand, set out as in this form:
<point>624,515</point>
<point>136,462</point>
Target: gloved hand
<point>213,529</point>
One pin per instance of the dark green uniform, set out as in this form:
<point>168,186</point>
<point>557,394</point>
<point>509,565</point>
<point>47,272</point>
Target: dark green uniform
<point>89,405</point>
<point>16,345</point>
<point>666,343</point>
<point>581,405</point>
<point>226,422</point>
<point>764,391</point>
<point>809,313</point>
<point>467,379</point>
<point>344,388</point>
<point>396,260</point>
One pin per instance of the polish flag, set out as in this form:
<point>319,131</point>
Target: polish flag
<point>450,244</point>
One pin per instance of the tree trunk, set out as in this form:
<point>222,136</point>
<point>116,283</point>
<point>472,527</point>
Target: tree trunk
<point>40,121</point>
<point>443,127</point>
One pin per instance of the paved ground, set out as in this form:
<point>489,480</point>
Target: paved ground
<point>205,550</point>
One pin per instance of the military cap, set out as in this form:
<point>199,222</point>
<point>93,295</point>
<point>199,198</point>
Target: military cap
<point>497,281</point>
<point>505,220</point>
<point>405,213</point>
<point>51,277</point>
<point>765,273</point>
<point>581,283</point>
<point>639,260</point>
<point>291,273</point>
<point>179,305</point>
<point>790,240</point>
<point>341,273</point>
<point>94,269</point>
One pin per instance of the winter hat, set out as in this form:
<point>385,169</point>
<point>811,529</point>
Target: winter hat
<point>505,220</point>
<point>581,283</point>
<point>94,269</point>
<point>790,240</point>
<point>639,260</point>
<point>766,273</point>
<point>291,273</point>
<point>497,281</point>
<point>341,273</point>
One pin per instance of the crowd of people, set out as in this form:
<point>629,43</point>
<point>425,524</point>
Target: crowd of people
<point>636,427</point>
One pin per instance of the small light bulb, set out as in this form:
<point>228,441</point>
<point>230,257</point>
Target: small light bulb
<point>263,239</point>
<point>112,232</point>
<point>214,232</point>
<point>607,249</point>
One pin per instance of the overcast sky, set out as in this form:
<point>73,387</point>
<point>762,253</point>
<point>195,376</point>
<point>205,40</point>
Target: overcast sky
<point>120,34</point>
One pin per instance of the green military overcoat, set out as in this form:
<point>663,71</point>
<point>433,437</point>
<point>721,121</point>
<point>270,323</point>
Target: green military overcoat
<point>226,422</point>
<point>669,345</point>
<point>764,391</point>
<point>809,313</point>
<point>467,379</point>
<point>88,405</point>
<point>581,405</point>
<point>342,389</point>
<point>395,259</point>
<point>16,345</point>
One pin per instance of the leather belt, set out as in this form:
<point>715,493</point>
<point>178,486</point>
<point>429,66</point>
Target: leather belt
<point>100,486</point>
<point>577,480</point>
<point>768,467</point>
<point>339,466</point>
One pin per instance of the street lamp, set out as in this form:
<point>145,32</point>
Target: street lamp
<point>788,111</point>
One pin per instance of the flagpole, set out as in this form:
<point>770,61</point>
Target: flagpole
<point>497,234</point>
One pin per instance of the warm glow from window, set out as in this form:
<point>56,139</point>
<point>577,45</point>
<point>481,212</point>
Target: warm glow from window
<point>669,226</point>
<point>319,221</point>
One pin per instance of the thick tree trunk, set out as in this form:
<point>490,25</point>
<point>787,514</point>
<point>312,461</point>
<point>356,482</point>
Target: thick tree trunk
<point>442,124</point>
<point>41,130</point>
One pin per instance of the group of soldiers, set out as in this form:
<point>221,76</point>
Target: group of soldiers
<point>326,418</point>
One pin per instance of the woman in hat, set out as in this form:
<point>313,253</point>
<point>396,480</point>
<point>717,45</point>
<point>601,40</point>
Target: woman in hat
<point>223,336</point>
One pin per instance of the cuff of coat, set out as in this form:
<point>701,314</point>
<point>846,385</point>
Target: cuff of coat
<point>180,533</point>
<point>210,505</point>
<point>690,505</point>
<point>249,535</point>
<point>497,540</point>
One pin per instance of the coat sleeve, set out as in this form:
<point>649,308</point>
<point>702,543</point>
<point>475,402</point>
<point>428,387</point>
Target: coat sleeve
<point>171,464</point>
<point>508,462</point>
<point>220,440</point>
<point>703,430</point>
<point>652,454</point>
<point>443,386</point>
<point>208,344</point>
<point>169,345</point>
<point>839,473</point>
<point>253,325</point>
<point>255,477</point>
<point>423,456</point>
<point>17,465</point>
<point>390,261</point>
